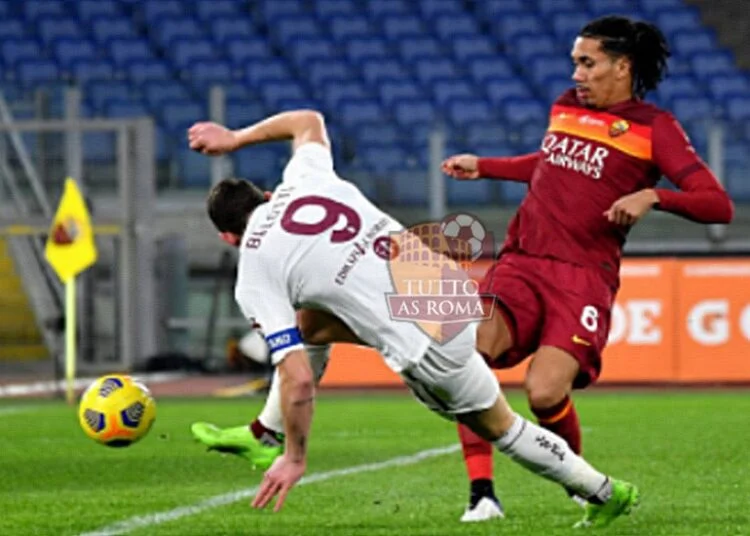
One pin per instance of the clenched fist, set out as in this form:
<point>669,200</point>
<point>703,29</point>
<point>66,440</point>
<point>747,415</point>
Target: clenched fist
<point>211,139</point>
<point>629,209</point>
<point>462,166</point>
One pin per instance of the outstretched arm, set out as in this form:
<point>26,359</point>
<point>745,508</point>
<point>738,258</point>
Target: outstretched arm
<point>469,167</point>
<point>300,126</point>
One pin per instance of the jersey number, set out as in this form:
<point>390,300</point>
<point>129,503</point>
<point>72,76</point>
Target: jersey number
<point>334,211</point>
<point>590,318</point>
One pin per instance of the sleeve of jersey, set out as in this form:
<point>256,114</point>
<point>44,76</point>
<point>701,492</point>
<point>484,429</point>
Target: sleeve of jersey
<point>514,168</point>
<point>264,300</point>
<point>701,198</point>
<point>310,162</point>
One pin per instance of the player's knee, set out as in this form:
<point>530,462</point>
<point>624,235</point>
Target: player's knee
<point>544,392</point>
<point>493,337</point>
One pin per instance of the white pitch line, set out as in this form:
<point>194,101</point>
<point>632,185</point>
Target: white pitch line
<point>139,522</point>
<point>13,410</point>
<point>36,388</point>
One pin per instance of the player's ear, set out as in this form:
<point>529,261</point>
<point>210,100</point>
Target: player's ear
<point>230,238</point>
<point>623,67</point>
<point>267,195</point>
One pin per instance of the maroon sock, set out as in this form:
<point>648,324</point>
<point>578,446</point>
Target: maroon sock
<point>561,419</point>
<point>265,435</point>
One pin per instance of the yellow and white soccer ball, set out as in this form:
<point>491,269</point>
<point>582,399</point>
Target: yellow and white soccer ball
<point>116,410</point>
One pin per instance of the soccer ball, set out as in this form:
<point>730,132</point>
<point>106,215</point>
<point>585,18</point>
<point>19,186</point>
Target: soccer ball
<point>116,410</point>
<point>462,230</point>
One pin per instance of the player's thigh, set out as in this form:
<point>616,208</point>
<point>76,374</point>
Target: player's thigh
<point>451,384</point>
<point>513,312</point>
<point>321,327</point>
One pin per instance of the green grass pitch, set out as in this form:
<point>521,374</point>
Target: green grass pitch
<point>686,450</point>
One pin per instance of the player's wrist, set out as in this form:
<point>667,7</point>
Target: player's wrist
<point>653,196</point>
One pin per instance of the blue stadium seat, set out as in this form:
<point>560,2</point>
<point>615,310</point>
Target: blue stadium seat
<point>408,188</point>
<point>599,8</point>
<point>737,183</point>
<point>544,67</point>
<point>692,108</point>
<point>521,111</point>
<point>185,51</point>
<point>360,49</point>
<point>125,109</point>
<point>275,91</point>
<point>334,91</point>
<point>429,70</point>
<point>448,27</point>
<point>262,164</point>
<point>396,27</point>
<point>413,112</point>
<point>53,28</point>
<point>287,28</point>
<point>420,47</point>
<point>354,112</point>
<point>509,27</point>
<point>70,50</point>
<point>270,69</point>
<point>106,29</point>
<point>722,86</point>
<point>492,10</point>
<point>377,133</point>
<point>235,29</point>
<point>273,10</point>
<point>155,12</point>
<point>241,113</point>
<point>177,116</point>
<point>37,72</point>
<point>34,9</point>
<point>482,69</point>
<point>550,7</point>
<point>166,32</point>
<point>383,158</point>
<point>159,93</point>
<point>392,90</point>
<point>285,104</point>
<point>375,71</point>
<point>84,71</point>
<point>462,112</point>
<point>690,42</point>
<point>446,89</point>
<point>500,90</point>
<point>12,29</point>
<point>305,49</point>
<point>654,6</point>
<point>674,20</point>
<point>243,50</point>
<point>97,92</point>
<point>738,107</point>
<point>678,85</point>
<point>483,134</point>
<point>346,27</point>
<point>124,51</point>
<point>210,11</point>
<point>708,64</point>
<point>567,25</point>
<point>468,47</point>
<point>556,86</point>
<point>378,9</point>
<point>18,50</point>
<point>99,147</point>
<point>143,70</point>
<point>513,192</point>
<point>206,73</point>
<point>430,9</point>
<point>320,71</point>
<point>194,169</point>
<point>475,193</point>
<point>324,9</point>
<point>88,9</point>
<point>526,47</point>
<point>531,135</point>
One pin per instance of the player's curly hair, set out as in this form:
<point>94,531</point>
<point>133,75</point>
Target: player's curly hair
<point>230,202</point>
<point>642,42</point>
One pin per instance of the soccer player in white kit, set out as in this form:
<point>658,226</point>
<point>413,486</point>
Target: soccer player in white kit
<point>310,246</point>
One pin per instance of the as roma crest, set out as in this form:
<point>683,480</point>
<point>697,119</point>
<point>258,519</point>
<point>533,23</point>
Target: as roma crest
<point>618,128</point>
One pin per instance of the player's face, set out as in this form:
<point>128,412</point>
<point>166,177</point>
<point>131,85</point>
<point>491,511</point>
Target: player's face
<point>600,80</point>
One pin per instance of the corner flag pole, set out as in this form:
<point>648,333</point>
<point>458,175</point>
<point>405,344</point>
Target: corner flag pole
<point>70,339</point>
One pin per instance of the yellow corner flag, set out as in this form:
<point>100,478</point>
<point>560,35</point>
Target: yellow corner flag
<point>70,249</point>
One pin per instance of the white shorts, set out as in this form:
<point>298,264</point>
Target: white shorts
<point>451,381</point>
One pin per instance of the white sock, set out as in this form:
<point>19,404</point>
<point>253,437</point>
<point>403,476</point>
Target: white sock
<point>271,416</point>
<point>548,455</point>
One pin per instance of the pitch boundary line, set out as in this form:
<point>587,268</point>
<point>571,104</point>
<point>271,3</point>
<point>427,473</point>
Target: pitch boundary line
<point>157,518</point>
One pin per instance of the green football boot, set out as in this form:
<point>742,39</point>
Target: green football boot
<point>625,497</point>
<point>238,440</point>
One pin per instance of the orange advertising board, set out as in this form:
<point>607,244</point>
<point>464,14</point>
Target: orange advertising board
<point>674,320</point>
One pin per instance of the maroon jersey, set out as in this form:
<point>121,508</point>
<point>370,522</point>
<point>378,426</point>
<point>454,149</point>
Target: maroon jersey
<point>589,159</point>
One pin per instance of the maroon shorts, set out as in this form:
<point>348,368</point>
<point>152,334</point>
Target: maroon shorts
<point>547,302</point>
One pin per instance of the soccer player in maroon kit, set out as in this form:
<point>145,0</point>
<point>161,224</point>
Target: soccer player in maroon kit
<point>555,280</point>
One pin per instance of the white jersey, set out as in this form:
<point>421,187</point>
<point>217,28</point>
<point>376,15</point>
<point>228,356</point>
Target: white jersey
<point>315,244</point>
